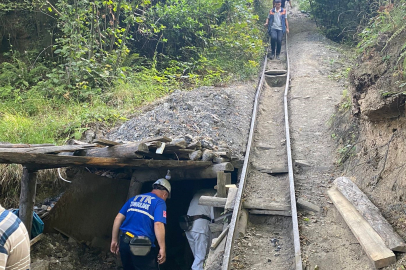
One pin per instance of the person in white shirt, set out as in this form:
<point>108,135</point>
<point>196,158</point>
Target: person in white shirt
<point>199,236</point>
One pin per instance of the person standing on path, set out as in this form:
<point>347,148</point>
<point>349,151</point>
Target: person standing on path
<point>142,217</point>
<point>277,23</point>
<point>14,242</point>
<point>199,236</point>
<point>283,3</point>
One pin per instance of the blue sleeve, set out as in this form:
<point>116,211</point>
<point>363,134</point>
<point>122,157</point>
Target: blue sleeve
<point>160,212</point>
<point>125,207</point>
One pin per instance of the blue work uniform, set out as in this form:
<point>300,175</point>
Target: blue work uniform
<point>141,212</point>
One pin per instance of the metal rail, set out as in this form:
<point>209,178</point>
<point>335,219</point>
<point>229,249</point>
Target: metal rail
<point>237,206</point>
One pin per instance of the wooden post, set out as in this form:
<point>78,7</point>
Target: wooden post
<point>221,191</point>
<point>27,197</point>
<point>135,184</point>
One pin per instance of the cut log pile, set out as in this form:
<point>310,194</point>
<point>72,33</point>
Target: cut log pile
<point>374,233</point>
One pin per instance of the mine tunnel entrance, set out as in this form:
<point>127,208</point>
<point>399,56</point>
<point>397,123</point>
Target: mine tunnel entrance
<point>179,254</point>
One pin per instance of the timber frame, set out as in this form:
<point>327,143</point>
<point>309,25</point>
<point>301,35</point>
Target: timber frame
<point>149,160</point>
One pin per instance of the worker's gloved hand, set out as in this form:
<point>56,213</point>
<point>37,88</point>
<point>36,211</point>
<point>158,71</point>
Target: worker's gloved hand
<point>114,247</point>
<point>161,256</point>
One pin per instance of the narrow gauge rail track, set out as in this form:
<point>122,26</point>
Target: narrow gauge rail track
<point>267,178</point>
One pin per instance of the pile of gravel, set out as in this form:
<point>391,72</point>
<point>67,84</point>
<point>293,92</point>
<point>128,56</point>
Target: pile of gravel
<point>221,115</point>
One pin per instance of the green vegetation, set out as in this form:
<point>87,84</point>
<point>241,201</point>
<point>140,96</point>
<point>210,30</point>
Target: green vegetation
<point>383,30</point>
<point>90,60</point>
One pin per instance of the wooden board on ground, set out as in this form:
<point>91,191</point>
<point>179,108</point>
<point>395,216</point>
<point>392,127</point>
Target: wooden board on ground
<point>36,239</point>
<point>275,72</point>
<point>370,241</point>
<point>371,213</point>
<point>270,213</point>
<point>261,205</point>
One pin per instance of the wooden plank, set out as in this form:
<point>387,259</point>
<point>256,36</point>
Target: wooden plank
<point>163,139</point>
<point>160,149</point>
<point>27,197</point>
<point>105,142</point>
<point>52,161</point>
<point>260,205</point>
<point>128,150</point>
<point>270,213</point>
<point>371,213</point>
<point>242,223</point>
<point>232,194</point>
<point>48,149</point>
<point>36,239</point>
<point>276,72</point>
<point>212,201</point>
<point>218,240</point>
<point>370,241</point>
<point>276,170</point>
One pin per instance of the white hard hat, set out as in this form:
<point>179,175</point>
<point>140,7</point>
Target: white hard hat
<point>165,183</point>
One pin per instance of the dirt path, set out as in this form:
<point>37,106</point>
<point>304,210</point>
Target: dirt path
<point>326,239</point>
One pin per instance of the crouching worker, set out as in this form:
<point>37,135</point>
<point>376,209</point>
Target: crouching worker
<point>277,23</point>
<point>142,220</point>
<point>197,228</point>
<point>14,242</point>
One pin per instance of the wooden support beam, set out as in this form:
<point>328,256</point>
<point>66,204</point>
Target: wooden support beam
<point>370,241</point>
<point>135,184</point>
<point>218,240</point>
<point>128,150</point>
<point>232,194</point>
<point>44,161</point>
<point>242,223</point>
<point>212,201</point>
<point>27,197</point>
<point>221,185</point>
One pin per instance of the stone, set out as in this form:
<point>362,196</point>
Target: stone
<point>40,265</point>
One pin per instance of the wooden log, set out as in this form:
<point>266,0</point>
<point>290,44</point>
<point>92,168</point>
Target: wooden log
<point>371,213</point>
<point>195,145</point>
<point>48,149</point>
<point>127,150</point>
<point>207,155</point>
<point>75,142</point>
<point>232,193</point>
<point>44,161</point>
<point>224,154</point>
<point>212,201</point>
<point>36,239</point>
<point>242,223</point>
<point>195,155</point>
<point>105,142</point>
<point>217,241</point>
<point>260,205</point>
<point>276,170</point>
<point>27,197</point>
<point>25,145</point>
<point>221,185</point>
<point>154,144</point>
<point>270,213</point>
<point>370,241</point>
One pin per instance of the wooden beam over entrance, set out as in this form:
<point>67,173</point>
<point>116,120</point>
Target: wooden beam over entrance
<point>45,161</point>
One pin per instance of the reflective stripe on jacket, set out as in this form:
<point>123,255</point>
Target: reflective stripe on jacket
<point>271,17</point>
